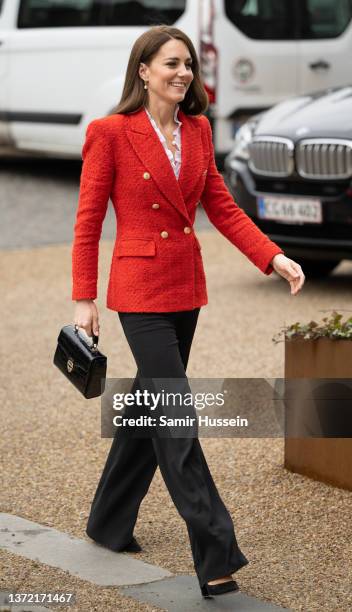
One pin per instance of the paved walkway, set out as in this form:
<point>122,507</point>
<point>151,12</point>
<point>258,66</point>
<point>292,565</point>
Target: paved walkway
<point>144,582</point>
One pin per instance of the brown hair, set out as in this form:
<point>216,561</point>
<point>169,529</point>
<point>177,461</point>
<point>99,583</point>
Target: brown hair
<point>144,49</point>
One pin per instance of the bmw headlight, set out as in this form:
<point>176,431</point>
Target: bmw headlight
<point>243,138</point>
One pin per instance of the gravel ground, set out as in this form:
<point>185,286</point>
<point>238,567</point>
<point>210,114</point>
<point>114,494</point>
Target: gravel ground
<point>296,533</point>
<point>23,575</point>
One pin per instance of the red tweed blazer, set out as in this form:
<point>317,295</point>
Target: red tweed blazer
<point>156,262</point>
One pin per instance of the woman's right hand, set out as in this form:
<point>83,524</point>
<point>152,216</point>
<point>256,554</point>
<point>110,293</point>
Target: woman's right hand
<point>86,316</point>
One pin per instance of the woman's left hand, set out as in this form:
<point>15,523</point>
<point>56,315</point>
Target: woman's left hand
<point>290,270</point>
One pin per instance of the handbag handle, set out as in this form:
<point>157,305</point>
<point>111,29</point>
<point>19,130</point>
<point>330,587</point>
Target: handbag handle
<point>95,338</point>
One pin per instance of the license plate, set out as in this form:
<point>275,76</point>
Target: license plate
<point>290,210</point>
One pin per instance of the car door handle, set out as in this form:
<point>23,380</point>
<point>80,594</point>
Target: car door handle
<point>319,65</point>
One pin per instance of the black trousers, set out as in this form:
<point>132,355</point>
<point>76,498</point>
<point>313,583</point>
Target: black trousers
<point>161,343</point>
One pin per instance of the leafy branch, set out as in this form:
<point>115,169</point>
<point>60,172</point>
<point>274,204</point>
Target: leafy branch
<point>332,327</point>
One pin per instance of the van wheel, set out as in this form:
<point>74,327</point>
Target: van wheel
<point>316,268</point>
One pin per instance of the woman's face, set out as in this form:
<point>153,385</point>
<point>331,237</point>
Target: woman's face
<point>169,74</point>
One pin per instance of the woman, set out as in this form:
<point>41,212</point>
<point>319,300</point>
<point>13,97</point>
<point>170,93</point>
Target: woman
<point>154,158</point>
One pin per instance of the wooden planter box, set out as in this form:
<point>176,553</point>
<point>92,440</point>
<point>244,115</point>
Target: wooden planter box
<point>328,459</point>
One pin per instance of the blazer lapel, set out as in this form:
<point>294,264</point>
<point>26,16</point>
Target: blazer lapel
<point>191,155</point>
<point>150,150</point>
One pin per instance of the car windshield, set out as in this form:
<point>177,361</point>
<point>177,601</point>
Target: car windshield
<point>285,19</point>
<point>80,13</point>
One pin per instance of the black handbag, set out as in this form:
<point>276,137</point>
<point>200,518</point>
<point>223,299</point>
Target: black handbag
<point>82,364</point>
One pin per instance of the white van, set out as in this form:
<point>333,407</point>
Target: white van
<point>62,62</point>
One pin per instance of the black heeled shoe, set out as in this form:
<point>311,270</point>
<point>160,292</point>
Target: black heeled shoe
<point>208,590</point>
<point>132,546</point>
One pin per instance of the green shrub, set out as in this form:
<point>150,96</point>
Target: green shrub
<point>332,327</point>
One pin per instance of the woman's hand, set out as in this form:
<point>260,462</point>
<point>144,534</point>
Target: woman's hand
<point>86,316</point>
<point>290,270</point>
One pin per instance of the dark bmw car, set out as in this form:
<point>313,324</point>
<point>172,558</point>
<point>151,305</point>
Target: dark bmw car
<point>291,171</point>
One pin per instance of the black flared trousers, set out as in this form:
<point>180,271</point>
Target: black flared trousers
<point>161,343</point>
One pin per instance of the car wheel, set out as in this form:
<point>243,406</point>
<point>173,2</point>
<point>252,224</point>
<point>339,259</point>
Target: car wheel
<point>315,268</point>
